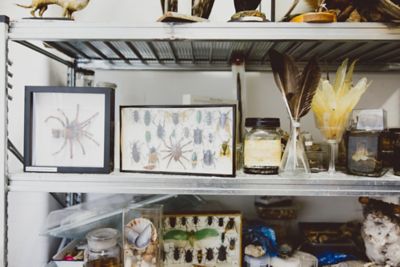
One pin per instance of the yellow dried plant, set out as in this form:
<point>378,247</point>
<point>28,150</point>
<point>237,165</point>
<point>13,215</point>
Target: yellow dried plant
<point>333,103</point>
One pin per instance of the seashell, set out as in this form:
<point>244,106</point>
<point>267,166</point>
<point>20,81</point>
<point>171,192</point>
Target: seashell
<point>144,237</point>
<point>130,235</point>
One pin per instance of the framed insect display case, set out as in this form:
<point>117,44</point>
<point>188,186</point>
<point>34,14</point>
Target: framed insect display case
<point>202,239</point>
<point>69,129</point>
<point>142,236</point>
<point>190,139</point>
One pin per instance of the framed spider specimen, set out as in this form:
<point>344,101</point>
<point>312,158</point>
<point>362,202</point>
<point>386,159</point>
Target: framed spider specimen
<point>69,129</point>
<point>178,139</point>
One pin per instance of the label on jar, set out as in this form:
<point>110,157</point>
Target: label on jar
<point>262,153</point>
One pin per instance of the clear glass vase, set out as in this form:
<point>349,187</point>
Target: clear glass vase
<point>294,161</point>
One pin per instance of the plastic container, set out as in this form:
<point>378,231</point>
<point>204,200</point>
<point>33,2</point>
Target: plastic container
<point>103,249</point>
<point>262,146</point>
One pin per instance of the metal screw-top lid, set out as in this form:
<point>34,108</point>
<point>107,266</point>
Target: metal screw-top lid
<point>102,239</point>
<point>263,122</point>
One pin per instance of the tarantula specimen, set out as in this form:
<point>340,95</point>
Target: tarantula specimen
<point>72,131</point>
<point>176,151</point>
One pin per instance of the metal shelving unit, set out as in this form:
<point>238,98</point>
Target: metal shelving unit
<point>208,46</point>
<point>137,183</point>
<point>201,46</point>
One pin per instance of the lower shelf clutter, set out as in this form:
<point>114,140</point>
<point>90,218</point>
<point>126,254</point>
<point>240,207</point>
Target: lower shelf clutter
<point>190,231</point>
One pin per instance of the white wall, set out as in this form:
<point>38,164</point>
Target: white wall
<point>27,211</point>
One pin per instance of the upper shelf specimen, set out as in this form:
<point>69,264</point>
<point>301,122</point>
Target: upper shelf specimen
<point>210,46</point>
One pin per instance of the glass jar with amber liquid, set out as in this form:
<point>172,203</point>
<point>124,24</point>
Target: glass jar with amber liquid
<point>262,146</point>
<point>103,249</point>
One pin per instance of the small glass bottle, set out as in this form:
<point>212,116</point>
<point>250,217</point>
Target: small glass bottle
<point>103,249</point>
<point>262,146</point>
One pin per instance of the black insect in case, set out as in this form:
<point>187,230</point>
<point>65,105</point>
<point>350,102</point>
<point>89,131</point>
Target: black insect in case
<point>69,129</point>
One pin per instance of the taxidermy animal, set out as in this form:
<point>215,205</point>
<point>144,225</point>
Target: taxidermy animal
<point>381,231</point>
<point>297,88</point>
<point>68,6</point>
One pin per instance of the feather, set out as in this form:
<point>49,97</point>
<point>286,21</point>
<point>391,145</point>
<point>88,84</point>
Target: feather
<point>297,88</point>
<point>309,84</point>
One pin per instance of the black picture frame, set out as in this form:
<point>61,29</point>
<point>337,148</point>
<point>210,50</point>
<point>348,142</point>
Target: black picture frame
<point>232,141</point>
<point>109,112</point>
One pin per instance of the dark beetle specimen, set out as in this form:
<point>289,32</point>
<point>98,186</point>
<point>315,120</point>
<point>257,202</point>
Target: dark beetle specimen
<point>183,221</point>
<point>209,254</point>
<point>189,256</point>
<point>222,252</point>
<point>195,220</point>
<point>177,253</point>
<point>223,237</point>
<point>232,243</point>
<point>172,221</point>
<point>210,220</point>
<point>230,224</point>
<point>221,221</point>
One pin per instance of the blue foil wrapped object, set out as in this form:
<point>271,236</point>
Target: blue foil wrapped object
<point>329,258</point>
<point>264,237</point>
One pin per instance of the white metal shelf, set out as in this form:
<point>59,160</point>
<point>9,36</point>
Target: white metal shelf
<point>320,184</point>
<point>211,46</point>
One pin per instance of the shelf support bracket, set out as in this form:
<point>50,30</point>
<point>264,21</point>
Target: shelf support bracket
<point>4,25</point>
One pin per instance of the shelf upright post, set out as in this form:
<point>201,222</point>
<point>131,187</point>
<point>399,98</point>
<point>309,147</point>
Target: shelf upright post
<point>72,198</point>
<point>4,23</point>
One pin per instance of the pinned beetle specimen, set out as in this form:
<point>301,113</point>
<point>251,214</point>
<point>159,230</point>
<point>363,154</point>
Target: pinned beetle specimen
<point>147,118</point>
<point>222,253</point>
<point>209,254</point>
<point>72,131</point>
<point>135,151</point>
<point>197,136</point>
<point>189,255</point>
<point>136,116</point>
<point>209,158</point>
<point>200,255</point>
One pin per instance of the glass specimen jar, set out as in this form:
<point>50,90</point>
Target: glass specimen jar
<point>84,78</point>
<point>364,155</point>
<point>103,249</point>
<point>262,146</point>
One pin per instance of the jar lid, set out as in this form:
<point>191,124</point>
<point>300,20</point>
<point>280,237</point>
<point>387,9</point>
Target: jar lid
<point>85,72</point>
<point>102,239</point>
<point>263,122</point>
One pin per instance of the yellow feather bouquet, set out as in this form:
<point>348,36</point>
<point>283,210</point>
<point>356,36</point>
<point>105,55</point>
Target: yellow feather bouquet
<point>333,103</point>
